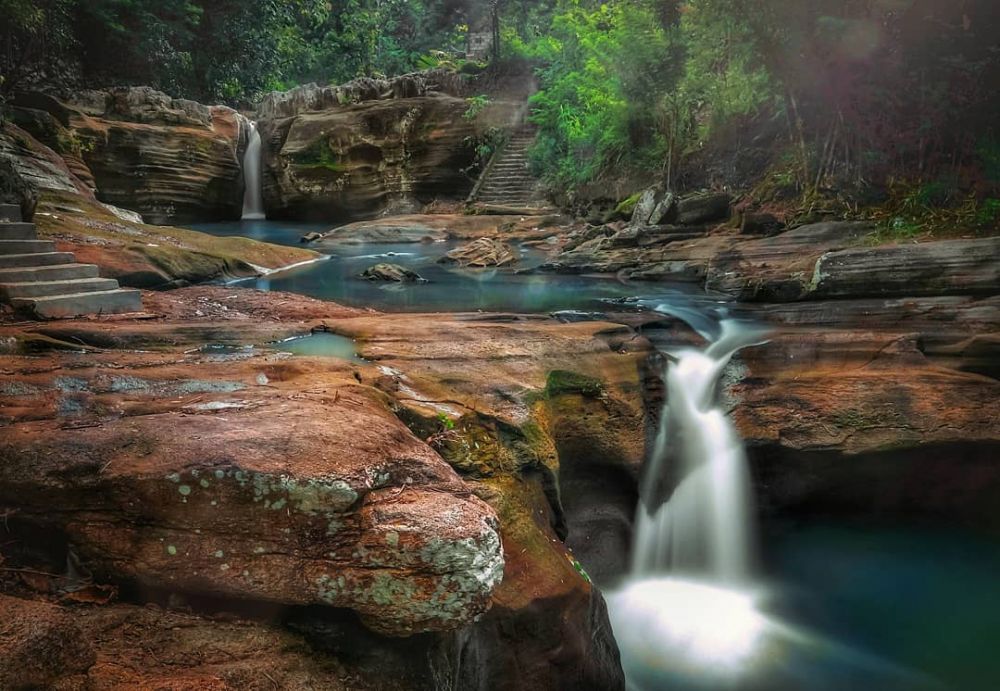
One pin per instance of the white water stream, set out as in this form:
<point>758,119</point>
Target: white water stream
<point>689,615</point>
<point>706,527</point>
<point>253,200</point>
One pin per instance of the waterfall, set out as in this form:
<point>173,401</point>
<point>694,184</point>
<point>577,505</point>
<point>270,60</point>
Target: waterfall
<point>687,611</point>
<point>690,615</point>
<point>253,200</point>
<point>707,525</point>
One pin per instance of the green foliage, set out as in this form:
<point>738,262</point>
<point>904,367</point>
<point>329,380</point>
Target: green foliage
<point>445,423</point>
<point>477,104</point>
<point>319,155</point>
<point>561,382</point>
<point>603,68</point>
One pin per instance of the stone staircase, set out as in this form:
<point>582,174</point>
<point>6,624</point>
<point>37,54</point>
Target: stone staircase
<point>40,282</point>
<point>507,181</point>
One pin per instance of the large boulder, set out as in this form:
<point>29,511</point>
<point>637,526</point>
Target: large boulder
<point>704,208</point>
<point>221,478</point>
<point>949,267</point>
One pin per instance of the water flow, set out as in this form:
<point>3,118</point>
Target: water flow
<point>253,201</point>
<point>706,526</point>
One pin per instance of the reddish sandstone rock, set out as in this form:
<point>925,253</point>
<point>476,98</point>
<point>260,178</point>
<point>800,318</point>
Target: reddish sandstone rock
<point>39,645</point>
<point>226,478</point>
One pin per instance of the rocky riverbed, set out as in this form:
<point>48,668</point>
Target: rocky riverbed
<point>434,509</point>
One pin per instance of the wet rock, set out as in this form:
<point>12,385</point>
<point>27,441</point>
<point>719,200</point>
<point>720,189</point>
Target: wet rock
<point>393,273</point>
<point>40,644</point>
<point>482,253</point>
<point>703,208</point>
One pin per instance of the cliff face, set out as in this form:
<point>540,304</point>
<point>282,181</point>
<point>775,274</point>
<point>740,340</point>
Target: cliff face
<point>370,147</point>
<point>170,160</point>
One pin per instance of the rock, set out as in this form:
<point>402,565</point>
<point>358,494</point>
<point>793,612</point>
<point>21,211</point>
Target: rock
<point>136,254</point>
<point>761,224</point>
<point>371,147</point>
<point>703,208</point>
<point>167,159</point>
<point>15,190</point>
<point>863,424</point>
<point>664,211</point>
<point>311,237</point>
<point>392,273</point>
<point>348,511</point>
<point>40,644</point>
<point>355,161</point>
<point>947,267</point>
<point>782,267</point>
<point>310,97</point>
<point>442,227</point>
<point>547,622</point>
<point>482,253</point>
<point>653,208</point>
<point>644,208</point>
<point>547,627</point>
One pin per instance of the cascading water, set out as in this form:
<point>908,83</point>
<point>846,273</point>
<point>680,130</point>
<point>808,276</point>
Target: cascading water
<point>253,199</point>
<point>688,616</point>
<point>706,526</point>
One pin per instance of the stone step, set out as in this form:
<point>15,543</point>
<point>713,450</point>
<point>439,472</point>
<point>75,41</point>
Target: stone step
<point>119,301</point>
<point>20,261</point>
<point>505,200</point>
<point>58,272</point>
<point>10,213</point>
<point>526,187</point>
<point>37,289</point>
<point>26,246</point>
<point>17,231</point>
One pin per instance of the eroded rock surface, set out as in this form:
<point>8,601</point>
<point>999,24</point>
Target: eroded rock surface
<point>168,159</point>
<point>227,478</point>
<point>482,253</point>
<point>370,147</point>
<point>307,424</point>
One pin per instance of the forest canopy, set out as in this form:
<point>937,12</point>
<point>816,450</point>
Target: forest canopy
<point>855,90</point>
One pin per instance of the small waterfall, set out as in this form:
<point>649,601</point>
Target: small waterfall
<point>690,614</point>
<point>253,199</point>
<point>687,611</point>
<point>706,527</point>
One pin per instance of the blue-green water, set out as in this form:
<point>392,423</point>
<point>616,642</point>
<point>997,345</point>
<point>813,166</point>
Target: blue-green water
<point>927,600</point>
<point>448,289</point>
<point>321,344</point>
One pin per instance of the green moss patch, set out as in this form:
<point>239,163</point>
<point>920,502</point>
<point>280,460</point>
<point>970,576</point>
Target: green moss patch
<point>560,382</point>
